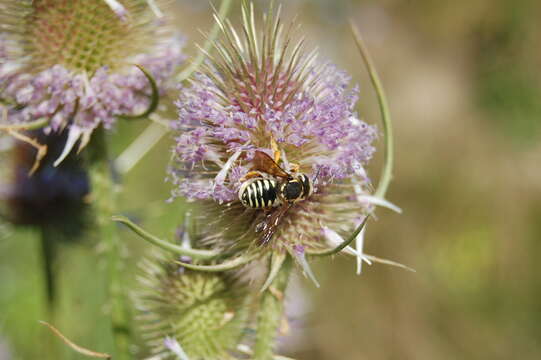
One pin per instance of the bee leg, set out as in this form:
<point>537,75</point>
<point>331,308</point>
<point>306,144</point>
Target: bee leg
<point>301,205</point>
<point>250,175</point>
<point>275,150</point>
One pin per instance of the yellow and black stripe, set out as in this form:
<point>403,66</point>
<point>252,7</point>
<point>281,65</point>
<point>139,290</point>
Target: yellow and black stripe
<point>259,193</point>
<point>306,185</point>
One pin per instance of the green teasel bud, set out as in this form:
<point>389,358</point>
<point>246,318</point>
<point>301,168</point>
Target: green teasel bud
<point>203,314</point>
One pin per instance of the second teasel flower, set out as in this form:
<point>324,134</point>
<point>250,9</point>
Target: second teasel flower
<point>70,64</point>
<point>262,93</point>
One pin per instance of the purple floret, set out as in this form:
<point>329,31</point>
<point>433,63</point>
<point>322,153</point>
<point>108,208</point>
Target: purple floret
<point>62,95</point>
<point>317,128</point>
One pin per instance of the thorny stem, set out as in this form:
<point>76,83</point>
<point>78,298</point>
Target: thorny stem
<point>386,174</point>
<point>104,203</point>
<point>270,313</point>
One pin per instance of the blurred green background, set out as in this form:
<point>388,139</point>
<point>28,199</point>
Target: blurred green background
<point>464,86</point>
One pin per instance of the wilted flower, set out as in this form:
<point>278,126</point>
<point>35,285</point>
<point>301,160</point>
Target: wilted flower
<point>52,194</point>
<point>70,64</point>
<point>258,90</point>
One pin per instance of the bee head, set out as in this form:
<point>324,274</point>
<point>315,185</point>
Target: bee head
<point>292,189</point>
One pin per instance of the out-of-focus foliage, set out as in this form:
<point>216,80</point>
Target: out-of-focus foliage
<point>507,54</point>
<point>463,82</point>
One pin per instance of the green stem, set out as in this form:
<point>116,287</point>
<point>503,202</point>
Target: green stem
<point>104,199</point>
<point>270,313</point>
<point>386,174</point>
<point>48,251</point>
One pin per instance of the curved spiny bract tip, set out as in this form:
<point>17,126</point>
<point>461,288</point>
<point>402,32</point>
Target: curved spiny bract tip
<point>374,259</point>
<point>388,262</point>
<point>165,245</point>
<point>154,97</point>
<point>386,174</point>
<point>276,261</point>
<point>32,125</point>
<point>227,265</point>
<point>301,260</point>
<point>40,148</point>
<point>74,134</point>
<point>379,201</point>
<point>343,245</point>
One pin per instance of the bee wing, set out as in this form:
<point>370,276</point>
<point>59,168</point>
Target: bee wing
<point>269,226</point>
<point>263,162</point>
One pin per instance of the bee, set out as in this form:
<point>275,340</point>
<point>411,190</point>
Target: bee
<point>281,191</point>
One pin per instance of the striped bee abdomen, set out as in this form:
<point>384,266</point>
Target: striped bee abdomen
<point>259,193</point>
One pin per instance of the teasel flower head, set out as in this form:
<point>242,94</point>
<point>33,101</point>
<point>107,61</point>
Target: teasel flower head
<point>262,89</point>
<point>70,64</point>
<point>181,311</point>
